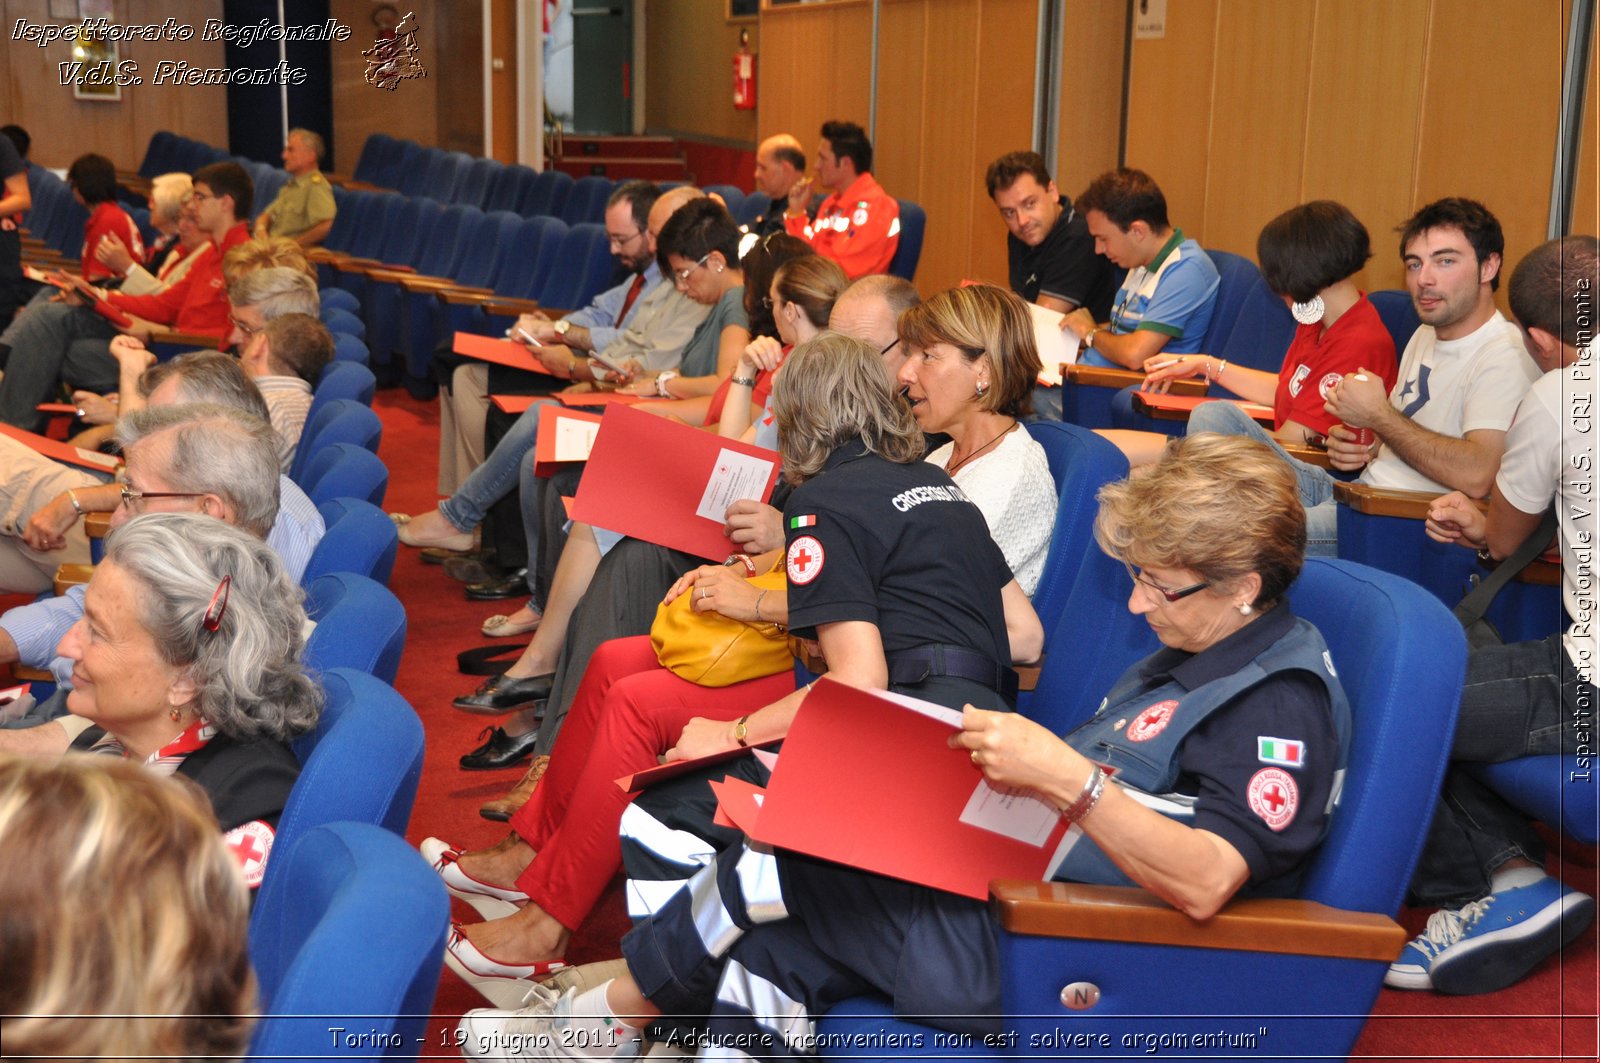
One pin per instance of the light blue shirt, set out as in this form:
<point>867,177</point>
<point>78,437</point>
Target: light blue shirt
<point>600,316</point>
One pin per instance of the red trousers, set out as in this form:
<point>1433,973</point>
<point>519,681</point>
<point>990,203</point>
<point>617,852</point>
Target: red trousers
<point>627,712</point>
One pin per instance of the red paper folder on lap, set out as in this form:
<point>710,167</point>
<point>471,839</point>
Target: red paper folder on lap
<point>639,780</point>
<point>867,779</point>
<point>515,404</point>
<point>62,452</point>
<point>596,398</point>
<point>564,435</point>
<point>500,352</point>
<point>112,314</point>
<point>1165,407</point>
<point>669,484</point>
<point>57,407</point>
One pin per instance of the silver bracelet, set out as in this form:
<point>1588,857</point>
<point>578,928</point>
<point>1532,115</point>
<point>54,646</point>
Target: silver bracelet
<point>760,596</point>
<point>1093,787</point>
<point>77,507</point>
<point>743,381</point>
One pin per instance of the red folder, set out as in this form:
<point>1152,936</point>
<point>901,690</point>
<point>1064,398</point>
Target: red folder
<point>515,404</point>
<point>639,780</point>
<point>112,314</point>
<point>62,452</point>
<point>58,407</point>
<point>866,781</point>
<point>546,458</point>
<point>647,477</point>
<point>1167,407</point>
<point>738,803</point>
<point>598,398</point>
<point>500,352</point>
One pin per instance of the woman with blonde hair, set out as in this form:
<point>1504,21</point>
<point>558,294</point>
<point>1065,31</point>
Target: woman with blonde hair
<point>123,919</point>
<point>891,570</point>
<point>970,367</point>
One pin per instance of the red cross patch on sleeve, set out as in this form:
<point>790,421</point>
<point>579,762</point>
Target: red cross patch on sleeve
<point>250,844</point>
<point>804,560</point>
<point>1274,797</point>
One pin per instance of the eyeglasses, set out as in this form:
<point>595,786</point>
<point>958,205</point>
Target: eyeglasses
<point>134,499</point>
<point>248,330</point>
<point>198,196</point>
<point>619,242</point>
<point>683,274</point>
<point>1171,596</point>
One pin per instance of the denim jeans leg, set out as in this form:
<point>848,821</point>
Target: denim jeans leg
<point>497,475</point>
<point>1046,404</point>
<point>1313,482</point>
<point>1519,700</point>
<point>531,499</point>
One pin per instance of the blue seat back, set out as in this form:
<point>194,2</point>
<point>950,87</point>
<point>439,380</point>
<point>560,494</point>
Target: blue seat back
<point>351,936</point>
<point>584,265</point>
<point>360,624</point>
<point>1399,315</point>
<point>732,197</point>
<point>587,202</point>
<point>1558,790</point>
<point>546,194</point>
<point>1236,275</point>
<point>345,380</point>
<point>1262,332</point>
<point>753,205</point>
<point>344,470</point>
<point>339,299</point>
<point>335,421</point>
<point>348,348</point>
<point>343,322</point>
<point>913,226</point>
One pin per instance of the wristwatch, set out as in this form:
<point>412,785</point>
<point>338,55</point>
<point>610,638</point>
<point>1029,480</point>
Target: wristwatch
<point>661,383</point>
<point>1088,339</point>
<point>740,730</point>
<point>560,326</point>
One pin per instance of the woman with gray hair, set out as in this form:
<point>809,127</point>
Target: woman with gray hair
<point>188,659</point>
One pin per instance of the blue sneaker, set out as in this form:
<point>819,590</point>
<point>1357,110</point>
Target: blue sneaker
<point>1489,944</point>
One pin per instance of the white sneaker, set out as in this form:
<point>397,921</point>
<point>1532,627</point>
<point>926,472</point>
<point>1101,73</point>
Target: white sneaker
<point>541,1030</point>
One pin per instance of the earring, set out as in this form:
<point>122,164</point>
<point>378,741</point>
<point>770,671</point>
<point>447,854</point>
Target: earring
<point>1309,313</point>
<point>175,714</point>
<point>982,388</point>
<point>1245,609</point>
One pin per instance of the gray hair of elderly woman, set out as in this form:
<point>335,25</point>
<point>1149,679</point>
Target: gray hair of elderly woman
<point>1220,506</point>
<point>169,192</point>
<point>208,376</point>
<point>250,679</point>
<point>276,290</point>
<point>833,389</point>
<point>214,450</point>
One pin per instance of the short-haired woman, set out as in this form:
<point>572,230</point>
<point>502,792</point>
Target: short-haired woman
<point>970,367</point>
<point>1212,539</point>
<point>188,660</point>
<point>1309,255</point>
<point>124,920</point>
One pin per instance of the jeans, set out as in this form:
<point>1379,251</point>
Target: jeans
<point>495,478</point>
<point>53,343</point>
<point>1046,404</point>
<point>1314,483</point>
<point>1518,700</point>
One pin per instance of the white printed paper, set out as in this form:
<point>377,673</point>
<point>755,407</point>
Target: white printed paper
<point>575,438</point>
<point>1056,345</point>
<point>1012,813</point>
<point>734,476</point>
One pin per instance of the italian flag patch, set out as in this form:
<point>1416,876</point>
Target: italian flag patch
<point>807,521</point>
<point>1284,751</point>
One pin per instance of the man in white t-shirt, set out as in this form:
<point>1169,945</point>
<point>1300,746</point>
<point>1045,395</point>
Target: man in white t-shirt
<point>1462,374</point>
<point>1501,915</point>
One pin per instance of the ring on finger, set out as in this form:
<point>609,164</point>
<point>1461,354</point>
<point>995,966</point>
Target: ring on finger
<point>975,759</point>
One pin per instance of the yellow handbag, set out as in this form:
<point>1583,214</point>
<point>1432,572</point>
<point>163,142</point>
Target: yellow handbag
<point>714,650</point>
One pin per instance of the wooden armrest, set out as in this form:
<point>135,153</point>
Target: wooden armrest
<point>69,576</point>
<point>358,265</point>
<point>29,674</point>
<point>1120,913</point>
<point>392,274</point>
<point>1096,376</point>
<point>97,525</point>
<point>1309,455</point>
<point>452,288</point>
<point>1028,674</point>
<point>133,182</point>
<point>465,297</point>
<point>512,307</point>
<point>187,339</point>
<point>324,254</point>
<point>1387,501</point>
<point>418,282</point>
<point>1541,572</point>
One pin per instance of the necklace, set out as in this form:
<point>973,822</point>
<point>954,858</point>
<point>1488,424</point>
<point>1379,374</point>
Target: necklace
<point>950,470</point>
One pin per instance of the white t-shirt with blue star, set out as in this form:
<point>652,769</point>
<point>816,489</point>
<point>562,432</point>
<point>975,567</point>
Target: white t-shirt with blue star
<point>1453,387</point>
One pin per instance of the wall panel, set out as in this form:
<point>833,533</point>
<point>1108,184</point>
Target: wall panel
<point>1366,162</point>
<point>1170,109</point>
<point>1091,91</point>
<point>815,65</point>
<point>689,49</point>
<point>1488,130</point>
<point>411,111</point>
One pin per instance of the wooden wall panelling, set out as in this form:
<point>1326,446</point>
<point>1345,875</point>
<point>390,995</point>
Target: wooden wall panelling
<point>1170,105</point>
<point>411,111</point>
<point>1007,62</point>
<point>1258,125</point>
<point>1489,114</point>
<point>689,50</point>
<point>460,83</point>
<point>64,128</point>
<point>903,111</point>
<point>815,65</point>
<point>1091,91</point>
<point>951,58</point>
<point>503,81</point>
<point>1586,190</point>
<point>1362,116</point>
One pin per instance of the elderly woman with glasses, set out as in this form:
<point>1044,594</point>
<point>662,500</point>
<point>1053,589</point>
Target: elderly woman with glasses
<point>1208,770</point>
<point>187,659</point>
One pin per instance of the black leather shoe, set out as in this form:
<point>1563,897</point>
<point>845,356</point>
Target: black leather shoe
<point>512,585</point>
<point>501,750</point>
<point>474,570</point>
<point>501,694</point>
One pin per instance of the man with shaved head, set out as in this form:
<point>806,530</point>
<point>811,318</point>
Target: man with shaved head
<point>780,165</point>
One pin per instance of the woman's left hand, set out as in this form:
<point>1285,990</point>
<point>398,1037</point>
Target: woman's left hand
<point>1014,751</point>
<point>718,588</point>
<point>701,738</point>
